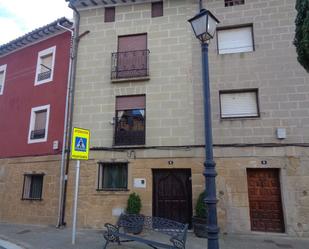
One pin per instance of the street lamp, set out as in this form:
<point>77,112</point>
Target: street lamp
<point>204,27</point>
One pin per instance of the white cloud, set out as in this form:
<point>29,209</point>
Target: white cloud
<point>18,17</point>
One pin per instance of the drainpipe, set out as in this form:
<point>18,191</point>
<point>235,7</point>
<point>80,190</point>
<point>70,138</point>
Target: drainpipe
<point>64,141</point>
<point>68,133</point>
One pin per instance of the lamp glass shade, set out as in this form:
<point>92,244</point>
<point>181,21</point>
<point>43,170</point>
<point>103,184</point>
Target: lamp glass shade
<point>204,25</point>
<point>211,26</point>
<point>199,25</point>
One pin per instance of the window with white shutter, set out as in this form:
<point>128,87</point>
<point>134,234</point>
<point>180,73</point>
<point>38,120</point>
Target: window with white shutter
<point>38,128</point>
<point>235,40</point>
<point>239,104</point>
<point>2,78</point>
<point>45,66</point>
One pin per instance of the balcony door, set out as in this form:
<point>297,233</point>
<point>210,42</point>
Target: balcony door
<point>132,56</point>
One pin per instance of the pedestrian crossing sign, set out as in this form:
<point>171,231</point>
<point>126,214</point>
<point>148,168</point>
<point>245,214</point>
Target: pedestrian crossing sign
<point>80,144</point>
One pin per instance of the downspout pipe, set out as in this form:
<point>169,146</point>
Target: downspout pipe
<point>65,132</point>
<point>61,221</point>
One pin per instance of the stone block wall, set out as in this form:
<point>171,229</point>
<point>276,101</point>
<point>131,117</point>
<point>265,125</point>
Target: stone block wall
<point>15,210</point>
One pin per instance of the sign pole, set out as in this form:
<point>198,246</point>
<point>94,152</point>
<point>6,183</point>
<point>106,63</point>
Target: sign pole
<point>75,202</point>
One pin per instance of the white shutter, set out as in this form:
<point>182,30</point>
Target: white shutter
<point>235,40</point>
<point>242,104</point>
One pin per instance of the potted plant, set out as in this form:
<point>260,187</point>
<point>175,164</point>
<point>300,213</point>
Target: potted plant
<point>199,221</point>
<point>134,206</point>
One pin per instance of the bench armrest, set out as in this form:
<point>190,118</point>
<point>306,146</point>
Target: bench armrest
<point>111,233</point>
<point>177,243</point>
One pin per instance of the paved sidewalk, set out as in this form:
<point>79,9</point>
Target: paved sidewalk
<point>47,237</point>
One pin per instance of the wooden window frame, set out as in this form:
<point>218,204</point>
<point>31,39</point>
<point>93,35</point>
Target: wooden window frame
<point>109,14</point>
<point>231,3</point>
<point>239,26</point>
<point>101,177</point>
<point>255,90</point>
<point>116,119</point>
<point>31,182</point>
<point>157,9</point>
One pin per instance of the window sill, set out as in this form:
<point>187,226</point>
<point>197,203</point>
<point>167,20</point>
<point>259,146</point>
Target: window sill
<point>129,146</point>
<point>113,192</point>
<point>239,118</point>
<point>31,199</point>
<point>145,78</point>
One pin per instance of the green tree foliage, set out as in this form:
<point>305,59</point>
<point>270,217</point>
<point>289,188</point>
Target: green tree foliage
<point>301,40</point>
<point>200,208</point>
<point>134,204</point>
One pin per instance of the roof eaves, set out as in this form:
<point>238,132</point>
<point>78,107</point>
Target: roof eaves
<point>35,35</point>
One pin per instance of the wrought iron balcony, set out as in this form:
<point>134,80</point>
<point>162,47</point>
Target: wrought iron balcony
<point>44,75</point>
<point>123,137</point>
<point>37,134</point>
<point>131,64</point>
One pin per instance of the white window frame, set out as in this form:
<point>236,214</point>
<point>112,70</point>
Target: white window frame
<point>52,51</point>
<point>235,50</point>
<point>32,123</point>
<point>239,115</point>
<point>3,69</point>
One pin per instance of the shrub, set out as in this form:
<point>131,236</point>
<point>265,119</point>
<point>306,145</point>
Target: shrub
<point>200,208</point>
<point>301,40</point>
<point>134,204</point>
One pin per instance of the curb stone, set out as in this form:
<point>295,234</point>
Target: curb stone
<point>8,245</point>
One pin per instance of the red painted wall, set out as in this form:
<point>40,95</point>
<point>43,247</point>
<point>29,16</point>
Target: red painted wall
<point>20,95</point>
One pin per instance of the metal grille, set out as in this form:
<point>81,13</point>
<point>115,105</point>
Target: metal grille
<point>33,185</point>
<point>131,64</point>
<point>44,75</point>
<point>233,2</point>
<point>37,134</point>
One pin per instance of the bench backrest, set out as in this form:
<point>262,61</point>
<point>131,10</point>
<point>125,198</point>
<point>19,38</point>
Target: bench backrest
<point>165,226</point>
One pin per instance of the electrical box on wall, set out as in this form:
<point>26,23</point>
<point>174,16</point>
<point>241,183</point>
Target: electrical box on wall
<point>55,145</point>
<point>281,133</point>
<point>139,183</point>
<point>117,211</point>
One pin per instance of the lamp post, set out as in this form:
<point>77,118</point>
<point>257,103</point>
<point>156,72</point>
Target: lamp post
<point>204,27</point>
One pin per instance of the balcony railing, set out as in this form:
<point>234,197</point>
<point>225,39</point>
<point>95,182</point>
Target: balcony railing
<point>123,137</point>
<point>44,75</point>
<point>131,64</point>
<point>37,134</point>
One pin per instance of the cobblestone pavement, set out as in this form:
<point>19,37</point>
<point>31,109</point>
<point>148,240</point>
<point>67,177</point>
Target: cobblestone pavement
<point>48,237</point>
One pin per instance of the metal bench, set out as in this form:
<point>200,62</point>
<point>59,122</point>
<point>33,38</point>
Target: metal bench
<point>176,232</point>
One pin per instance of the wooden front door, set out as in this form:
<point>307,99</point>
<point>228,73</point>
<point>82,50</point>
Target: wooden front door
<point>172,194</point>
<point>265,200</point>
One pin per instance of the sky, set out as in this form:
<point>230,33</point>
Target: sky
<point>18,17</point>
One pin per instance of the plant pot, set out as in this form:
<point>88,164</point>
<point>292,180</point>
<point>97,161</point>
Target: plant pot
<point>136,226</point>
<point>199,227</point>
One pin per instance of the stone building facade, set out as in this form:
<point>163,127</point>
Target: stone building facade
<point>33,82</point>
<point>146,114</point>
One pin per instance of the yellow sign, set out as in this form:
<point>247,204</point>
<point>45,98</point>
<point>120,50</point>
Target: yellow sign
<point>80,144</point>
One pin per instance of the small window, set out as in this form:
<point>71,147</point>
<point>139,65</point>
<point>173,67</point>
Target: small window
<point>157,9</point>
<point>45,66</point>
<point>39,124</point>
<point>2,78</point>
<point>239,103</point>
<point>33,186</point>
<point>109,14</point>
<point>113,176</point>
<point>235,40</point>
<point>228,3</point>
<point>130,120</point>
